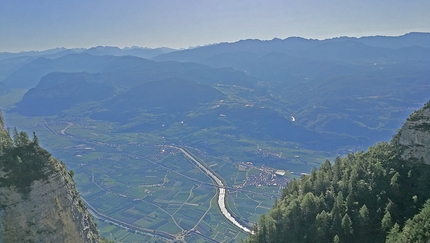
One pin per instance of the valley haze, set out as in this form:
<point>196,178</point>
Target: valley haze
<point>191,144</point>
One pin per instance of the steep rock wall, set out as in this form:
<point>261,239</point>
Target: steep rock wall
<point>51,212</point>
<point>38,198</point>
<point>414,136</point>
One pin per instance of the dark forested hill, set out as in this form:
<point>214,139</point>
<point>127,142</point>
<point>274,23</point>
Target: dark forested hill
<point>59,91</point>
<point>170,96</point>
<point>368,196</point>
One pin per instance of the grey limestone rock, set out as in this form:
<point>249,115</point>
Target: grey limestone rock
<point>414,136</point>
<point>50,210</point>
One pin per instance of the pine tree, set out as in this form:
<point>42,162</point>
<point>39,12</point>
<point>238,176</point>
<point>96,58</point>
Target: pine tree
<point>336,239</point>
<point>347,225</point>
<point>386,222</point>
<point>35,139</point>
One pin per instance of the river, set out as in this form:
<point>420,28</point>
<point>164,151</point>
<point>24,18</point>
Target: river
<point>221,189</point>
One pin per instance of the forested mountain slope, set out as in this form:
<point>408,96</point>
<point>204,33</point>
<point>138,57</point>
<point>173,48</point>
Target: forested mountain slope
<point>371,196</point>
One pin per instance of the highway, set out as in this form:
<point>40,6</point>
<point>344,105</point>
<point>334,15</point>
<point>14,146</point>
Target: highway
<point>222,192</point>
<point>218,183</point>
<point>138,230</point>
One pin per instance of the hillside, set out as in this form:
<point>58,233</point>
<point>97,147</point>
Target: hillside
<point>364,197</point>
<point>59,91</point>
<point>178,96</point>
<point>38,198</point>
<point>333,84</point>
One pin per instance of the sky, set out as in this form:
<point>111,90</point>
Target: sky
<point>45,24</point>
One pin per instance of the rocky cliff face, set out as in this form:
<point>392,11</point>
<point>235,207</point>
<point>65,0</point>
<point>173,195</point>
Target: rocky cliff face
<point>414,136</point>
<point>52,212</point>
<point>44,208</point>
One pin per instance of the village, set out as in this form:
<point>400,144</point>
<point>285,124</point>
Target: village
<point>265,177</point>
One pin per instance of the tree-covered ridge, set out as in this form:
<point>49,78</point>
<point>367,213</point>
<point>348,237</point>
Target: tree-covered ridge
<point>358,198</point>
<point>22,160</point>
<point>415,230</point>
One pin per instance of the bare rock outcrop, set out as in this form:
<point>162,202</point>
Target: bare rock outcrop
<point>51,212</point>
<point>414,136</point>
<point>38,198</point>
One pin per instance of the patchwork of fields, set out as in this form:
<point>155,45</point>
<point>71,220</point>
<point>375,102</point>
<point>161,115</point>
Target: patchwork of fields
<point>136,180</point>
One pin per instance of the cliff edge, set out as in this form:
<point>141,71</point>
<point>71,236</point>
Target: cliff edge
<point>38,198</point>
<point>414,136</point>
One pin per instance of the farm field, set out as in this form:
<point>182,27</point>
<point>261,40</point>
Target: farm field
<point>137,180</point>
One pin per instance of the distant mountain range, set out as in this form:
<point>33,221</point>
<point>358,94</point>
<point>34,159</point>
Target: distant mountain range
<point>296,46</point>
<point>10,62</point>
<point>98,51</point>
<point>346,91</point>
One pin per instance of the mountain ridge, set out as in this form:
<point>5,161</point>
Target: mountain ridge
<point>291,45</point>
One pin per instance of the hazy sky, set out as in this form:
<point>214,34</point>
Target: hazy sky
<point>44,24</point>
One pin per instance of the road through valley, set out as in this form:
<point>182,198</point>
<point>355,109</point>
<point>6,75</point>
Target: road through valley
<point>221,188</point>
